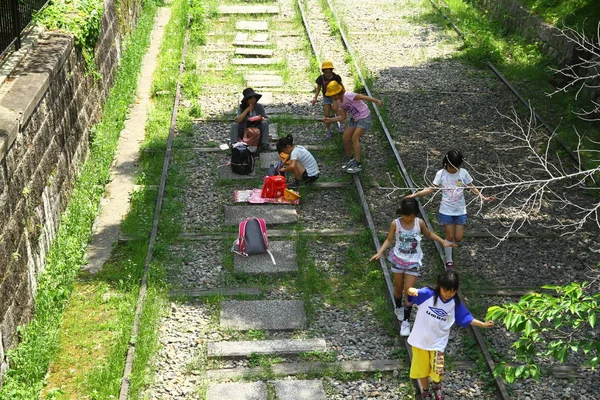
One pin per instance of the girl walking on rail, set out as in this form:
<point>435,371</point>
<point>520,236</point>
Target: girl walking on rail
<point>406,256</point>
<point>360,121</point>
<point>322,81</point>
<point>439,308</point>
<point>452,179</point>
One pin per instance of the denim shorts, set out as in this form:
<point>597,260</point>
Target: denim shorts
<point>453,219</point>
<point>412,269</point>
<point>364,123</point>
<point>327,100</point>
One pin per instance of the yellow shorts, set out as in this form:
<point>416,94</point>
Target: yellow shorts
<point>427,363</point>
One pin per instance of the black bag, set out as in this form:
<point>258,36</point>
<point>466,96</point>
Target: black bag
<point>242,162</point>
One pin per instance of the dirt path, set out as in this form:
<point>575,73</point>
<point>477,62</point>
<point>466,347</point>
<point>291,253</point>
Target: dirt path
<point>115,204</point>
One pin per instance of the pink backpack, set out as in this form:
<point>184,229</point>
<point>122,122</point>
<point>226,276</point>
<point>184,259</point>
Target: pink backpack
<point>252,238</point>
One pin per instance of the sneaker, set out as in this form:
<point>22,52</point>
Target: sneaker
<point>426,394</point>
<point>449,265</point>
<point>354,168</point>
<point>437,390</point>
<point>347,162</point>
<point>328,134</point>
<point>404,328</point>
<point>400,313</point>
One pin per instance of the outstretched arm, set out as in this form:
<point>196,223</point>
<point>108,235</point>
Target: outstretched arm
<point>339,112</point>
<point>486,324</point>
<point>434,236</point>
<point>368,98</point>
<point>423,192</point>
<point>387,242</point>
<point>479,194</point>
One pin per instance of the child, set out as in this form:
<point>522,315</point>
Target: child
<point>453,209</point>
<point>406,256</point>
<point>322,82</point>
<point>432,329</point>
<point>360,121</point>
<point>301,163</point>
<point>252,113</point>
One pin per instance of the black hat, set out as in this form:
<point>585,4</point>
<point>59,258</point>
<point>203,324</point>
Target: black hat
<point>249,92</point>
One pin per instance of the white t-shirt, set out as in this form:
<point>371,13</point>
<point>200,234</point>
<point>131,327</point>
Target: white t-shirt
<point>453,185</point>
<point>307,160</point>
<point>433,322</point>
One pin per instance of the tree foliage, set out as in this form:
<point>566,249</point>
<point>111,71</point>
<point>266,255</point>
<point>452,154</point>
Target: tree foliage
<point>553,324</point>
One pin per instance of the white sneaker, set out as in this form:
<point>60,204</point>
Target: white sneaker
<point>347,163</point>
<point>354,168</point>
<point>404,328</point>
<point>400,313</point>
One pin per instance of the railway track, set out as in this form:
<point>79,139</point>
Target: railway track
<point>320,317</point>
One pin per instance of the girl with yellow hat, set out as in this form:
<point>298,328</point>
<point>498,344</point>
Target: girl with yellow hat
<point>360,121</point>
<point>322,81</point>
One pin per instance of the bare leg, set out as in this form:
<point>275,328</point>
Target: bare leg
<point>409,281</point>
<point>398,285</point>
<point>298,171</point>
<point>327,111</point>
<point>347,140</point>
<point>425,382</point>
<point>356,142</point>
<point>459,232</point>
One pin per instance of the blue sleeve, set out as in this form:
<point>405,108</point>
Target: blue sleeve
<point>462,316</point>
<point>424,294</point>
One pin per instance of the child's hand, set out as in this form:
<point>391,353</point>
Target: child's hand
<point>327,120</point>
<point>412,292</point>
<point>411,196</point>
<point>379,102</point>
<point>449,244</point>
<point>375,257</point>
<point>488,324</point>
<point>488,198</point>
<point>314,101</point>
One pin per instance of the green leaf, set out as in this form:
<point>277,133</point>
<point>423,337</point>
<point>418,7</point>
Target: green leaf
<point>592,319</point>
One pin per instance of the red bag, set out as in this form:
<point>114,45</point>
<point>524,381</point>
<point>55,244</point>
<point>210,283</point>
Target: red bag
<point>273,186</point>
<point>251,137</point>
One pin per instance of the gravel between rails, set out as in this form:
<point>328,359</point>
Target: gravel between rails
<point>432,103</point>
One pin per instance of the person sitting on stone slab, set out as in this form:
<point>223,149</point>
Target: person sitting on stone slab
<point>251,114</point>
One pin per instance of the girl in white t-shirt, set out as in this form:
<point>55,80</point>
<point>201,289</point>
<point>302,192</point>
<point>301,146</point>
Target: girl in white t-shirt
<point>452,179</point>
<point>406,256</point>
<point>300,162</point>
<point>439,309</point>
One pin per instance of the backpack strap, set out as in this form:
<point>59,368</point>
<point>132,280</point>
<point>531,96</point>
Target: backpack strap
<point>263,229</point>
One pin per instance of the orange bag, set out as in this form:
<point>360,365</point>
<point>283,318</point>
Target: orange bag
<point>273,186</point>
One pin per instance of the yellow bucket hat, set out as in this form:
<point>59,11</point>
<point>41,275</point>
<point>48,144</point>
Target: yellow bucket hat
<point>333,88</point>
<point>327,65</point>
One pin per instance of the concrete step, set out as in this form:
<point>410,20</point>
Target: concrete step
<point>264,84</point>
<point>272,213</point>
<point>263,77</point>
<point>275,315</point>
<point>284,253</point>
<point>214,292</point>
<point>300,390</point>
<point>255,61</point>
<point>237,391</point>
<point>242,51</point>
<point>252,26</point>
<point>248,10</point>
<point>278,347</point>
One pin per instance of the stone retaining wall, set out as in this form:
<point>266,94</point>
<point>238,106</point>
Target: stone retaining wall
<point>516,18</point>
<point>46,109</point>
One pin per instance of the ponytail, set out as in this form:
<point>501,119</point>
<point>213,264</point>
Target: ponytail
<point>284,142</point>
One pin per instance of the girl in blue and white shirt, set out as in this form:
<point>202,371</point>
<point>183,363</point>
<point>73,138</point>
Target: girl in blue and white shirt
<point>439,309</point>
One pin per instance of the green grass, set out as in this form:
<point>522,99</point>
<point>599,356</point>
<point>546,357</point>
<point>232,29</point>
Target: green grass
<point>575,13</point>
<point>40,339</point>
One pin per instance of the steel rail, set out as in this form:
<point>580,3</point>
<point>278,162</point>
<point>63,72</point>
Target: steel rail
<point>124,392</point>
<point>501,389</point>
<point>510,87</point>
<point>373,230</point>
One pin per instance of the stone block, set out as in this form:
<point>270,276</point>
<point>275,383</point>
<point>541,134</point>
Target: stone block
<point>272,214</point>
<point>237,391</point>
<point>242,51</point>
<point>8,329</point>
<point>255,61</point>
<point>284,254</point>
<point>248,10</point>
<point>278,347</point>
<point>9,128</point>
<point>263,314</point>
<point>300,390</point>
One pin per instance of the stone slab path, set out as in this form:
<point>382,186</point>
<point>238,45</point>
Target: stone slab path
<point>300,390</point>
<point>284,254</point>
<point>272,213</point>
<point>278,347</point>
<point>237,391</point>
<point>278,315</point>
